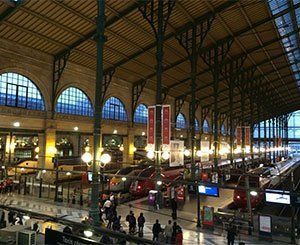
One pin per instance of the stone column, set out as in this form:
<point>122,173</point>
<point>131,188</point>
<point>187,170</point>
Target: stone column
<point>42,152</point>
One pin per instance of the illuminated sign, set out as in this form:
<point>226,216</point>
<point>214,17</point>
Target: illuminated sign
<point>208,190</point>
<point>278,196</point>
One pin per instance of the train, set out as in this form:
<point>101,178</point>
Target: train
<point>260,179</point>
<point>145,180</point>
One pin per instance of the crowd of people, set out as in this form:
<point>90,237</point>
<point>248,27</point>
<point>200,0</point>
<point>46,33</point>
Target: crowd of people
<point>170,234</point>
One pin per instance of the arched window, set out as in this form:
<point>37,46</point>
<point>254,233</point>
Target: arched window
<point>180,121</point>
<point>223,129</point>
<point>196,125</point>
<point>205,126</point>
<point>114,109</point>
<point>18,91</point>
<point>141,114</point>
<point>74,101</point>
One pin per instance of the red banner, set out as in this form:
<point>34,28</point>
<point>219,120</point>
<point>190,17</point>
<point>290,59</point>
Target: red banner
<point>247,136</point>
<point>151,125</point>
<point>166,124</point>
<point>238,135</point>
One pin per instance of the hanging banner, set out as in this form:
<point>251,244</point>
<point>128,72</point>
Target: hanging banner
<point>151,125</point>
<point>205,151</point>
<point>238,135</point>
<point>177,157</point>
<point>166,124</point>
<point>247,135</point>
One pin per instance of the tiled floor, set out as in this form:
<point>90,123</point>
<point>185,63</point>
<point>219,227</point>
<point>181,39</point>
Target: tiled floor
<point>190,235</point>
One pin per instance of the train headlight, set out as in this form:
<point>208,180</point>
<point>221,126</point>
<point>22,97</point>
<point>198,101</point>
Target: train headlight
<point>253,193</point>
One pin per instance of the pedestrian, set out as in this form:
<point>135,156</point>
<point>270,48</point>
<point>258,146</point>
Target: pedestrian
<point>231,233</point>
<point>11,215</point>
<point>132,222</point>
<point>141,222</point>
<point>168,232</point>
<point>156,229</point>
<point>111,218</point>
<point>107,206</point>
<point>179,235</point>
<point>36,227</point>
<point>174,229</point>
<point>117,223</point>
<point>174,208</point>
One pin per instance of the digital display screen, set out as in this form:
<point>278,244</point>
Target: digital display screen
<point>208,190</point>
<point>90,176</point>
<point>277,197</point>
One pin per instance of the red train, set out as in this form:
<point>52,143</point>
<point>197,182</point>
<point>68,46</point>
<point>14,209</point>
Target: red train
<point>146,179</point>
<point>260,179</point>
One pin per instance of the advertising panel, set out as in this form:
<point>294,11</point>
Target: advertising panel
<point>177,157</point>
<point>208,216</point>
<point>265,225</point>
<point>274,196</point>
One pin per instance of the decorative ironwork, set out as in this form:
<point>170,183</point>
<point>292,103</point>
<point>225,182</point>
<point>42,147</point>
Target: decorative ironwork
<point>179,101</point>
<point>137,90</point>
<point>106,82</point>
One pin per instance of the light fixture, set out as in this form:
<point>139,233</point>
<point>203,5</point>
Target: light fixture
<point>87,157</point>
<point>143,133</point>
<point>52,150</point>
<point>44,171</point>
<point>16,124</point>
<point>124,179</point>
<point>68,173</point>
<point>88,233</point>
<point>150,154</point>
<point>37,149</point>
<point>76,128</point>
<point>22,169</point>
<point>165,155</point>
<point>3,167</point>
<point>36,157</point>
<point>187,152</point>
<point>181,136</point>
<point>199,153</point>
<point>105,158</point>
<point>253,193</point>
<point>115,131</point>
<point>159,182</point>
<point>121,148</point>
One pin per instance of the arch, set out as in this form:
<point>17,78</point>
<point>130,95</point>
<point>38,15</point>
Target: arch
<point>205,126</point>
<point>114,109</point>
<point>17,90</point>
<point>196,125</point>
<point>180,121</point>
<point>74,101</point>
<point>141,114</point>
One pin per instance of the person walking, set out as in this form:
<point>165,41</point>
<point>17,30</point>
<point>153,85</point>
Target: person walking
<point>141,222</point>
<point>11,215</point>
<point>179,235</point>
<point>132,222</point>
<point>168,232</point>
<point>156,229</point>
<point>231,233</point>
<point>174,208</point>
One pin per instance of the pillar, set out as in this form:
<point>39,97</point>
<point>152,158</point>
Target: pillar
<point>42,150</point>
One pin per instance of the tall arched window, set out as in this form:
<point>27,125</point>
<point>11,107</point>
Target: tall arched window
<point>223,129</point>
<point>114,109</point>
<point>196,125</point>
<point>74,101</point>
<point>205,126</point>
<point>141,114</point>
<point>18,91</point>
<point>180,121</point>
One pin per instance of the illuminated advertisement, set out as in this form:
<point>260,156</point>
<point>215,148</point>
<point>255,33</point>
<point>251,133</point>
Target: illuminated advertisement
<point>278,196</point>
<point>265,224</point>
<point>208,190</point>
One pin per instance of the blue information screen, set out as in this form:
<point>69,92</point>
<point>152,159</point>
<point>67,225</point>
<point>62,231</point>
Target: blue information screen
<point>208,190</point>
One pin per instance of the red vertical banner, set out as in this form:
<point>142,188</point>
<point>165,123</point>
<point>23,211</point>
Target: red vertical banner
<point>247,136</point>
<point>166,124</point>
<point>238,135</point>
<point>151,125</point>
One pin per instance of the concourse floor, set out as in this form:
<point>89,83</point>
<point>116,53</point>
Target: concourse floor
<point>190,233</point>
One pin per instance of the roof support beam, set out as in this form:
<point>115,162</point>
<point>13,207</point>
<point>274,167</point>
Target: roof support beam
<point>10,10</point>
<point>109,23</point>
